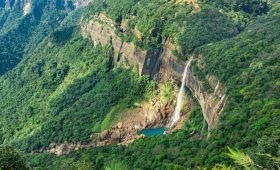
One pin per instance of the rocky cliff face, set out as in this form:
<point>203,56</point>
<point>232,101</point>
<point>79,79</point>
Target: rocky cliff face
<point>150,114</point>
<point>212,103</point>
<point>8,4</point>
<point>76,3</point>
<point>160,65</point>
<point>26,5</point>
<point>102,31</point>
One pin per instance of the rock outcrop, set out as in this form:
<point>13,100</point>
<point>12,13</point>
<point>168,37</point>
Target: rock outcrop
<point>212,103</point>
<point>159,65</point>
<point>102,31</point>
<point>8,4</point>
<point>26,5</point>
<point>76,3</point>
<point>194,3</point>
<point>145,115</point>
<point>162,66</point>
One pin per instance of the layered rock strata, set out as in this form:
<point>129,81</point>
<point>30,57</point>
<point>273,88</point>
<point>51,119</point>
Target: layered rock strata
<point>159,65</point>
<point>102,31</point>
<point>162,66</point>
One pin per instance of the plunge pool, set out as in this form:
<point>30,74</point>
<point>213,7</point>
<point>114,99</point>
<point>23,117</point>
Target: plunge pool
<point>152,131</point>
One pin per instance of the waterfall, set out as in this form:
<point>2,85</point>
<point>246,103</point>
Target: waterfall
<point>179,103</point>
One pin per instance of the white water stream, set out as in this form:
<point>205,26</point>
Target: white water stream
<point>179,104</point>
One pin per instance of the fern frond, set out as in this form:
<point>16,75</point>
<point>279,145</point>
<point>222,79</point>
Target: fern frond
<point>240,158</point>
<point>275,159</point>
<point>222,167</point>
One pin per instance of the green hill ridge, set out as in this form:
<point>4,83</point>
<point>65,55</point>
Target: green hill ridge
<point>58,86</point>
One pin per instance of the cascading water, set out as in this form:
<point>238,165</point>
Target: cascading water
<point>179,104</point>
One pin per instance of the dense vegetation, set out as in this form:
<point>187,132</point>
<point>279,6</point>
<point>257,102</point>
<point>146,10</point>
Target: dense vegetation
<point>61,76</point>
<point>248,66</point>
<point>66,89</point>
<point>158,20</point>
<point>20,35</point>
<point>11,159</point>
<point>72,82</point>
<point>159,152</point>
<point>255,7</point>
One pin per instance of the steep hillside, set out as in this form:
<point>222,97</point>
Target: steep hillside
<point>249,122</point>
<point>24,24</point>
<point>114,68</point>
<point>69,79</point>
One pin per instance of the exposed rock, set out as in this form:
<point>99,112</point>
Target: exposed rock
<point>137,33</point>
<point>102,31</point>
<point>137,126</point>
<point>80,3</point>
<point>160,65</point>
<point>116,136</point>
<point>212,103</point>
<point>27,8</point>
<point>106,20</point>
<point>149,115</point>
<point>7,4</point>
<point>194,3</point>
<point>52,145</point>
<point>26,5</point>
<point>104,135</point>
<point>125,25</point>
<point>119,125</point>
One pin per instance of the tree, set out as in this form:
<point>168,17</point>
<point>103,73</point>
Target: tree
<point>11,159</point>
<point>116,165</point>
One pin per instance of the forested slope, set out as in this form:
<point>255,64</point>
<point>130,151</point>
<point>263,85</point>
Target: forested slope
<point>63,88</point>
<point>21,33</point>
<point>248,65</point>
<point>73,81</point>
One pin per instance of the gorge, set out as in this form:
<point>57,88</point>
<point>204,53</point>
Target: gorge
<point>139,84</point>
<point>158,65</point>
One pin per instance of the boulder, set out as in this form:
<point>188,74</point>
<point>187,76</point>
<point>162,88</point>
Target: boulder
<point>116,136</point>
<point>104,135</point>
<point>120,125</point>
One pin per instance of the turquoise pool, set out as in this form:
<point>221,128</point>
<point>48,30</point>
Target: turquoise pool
<point>152,131</point>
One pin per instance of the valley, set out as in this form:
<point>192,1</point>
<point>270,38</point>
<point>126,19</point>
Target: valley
<point>139,84</point>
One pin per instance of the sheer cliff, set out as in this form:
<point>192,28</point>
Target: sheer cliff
<point>81,79</point>
<point>160,65</point>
